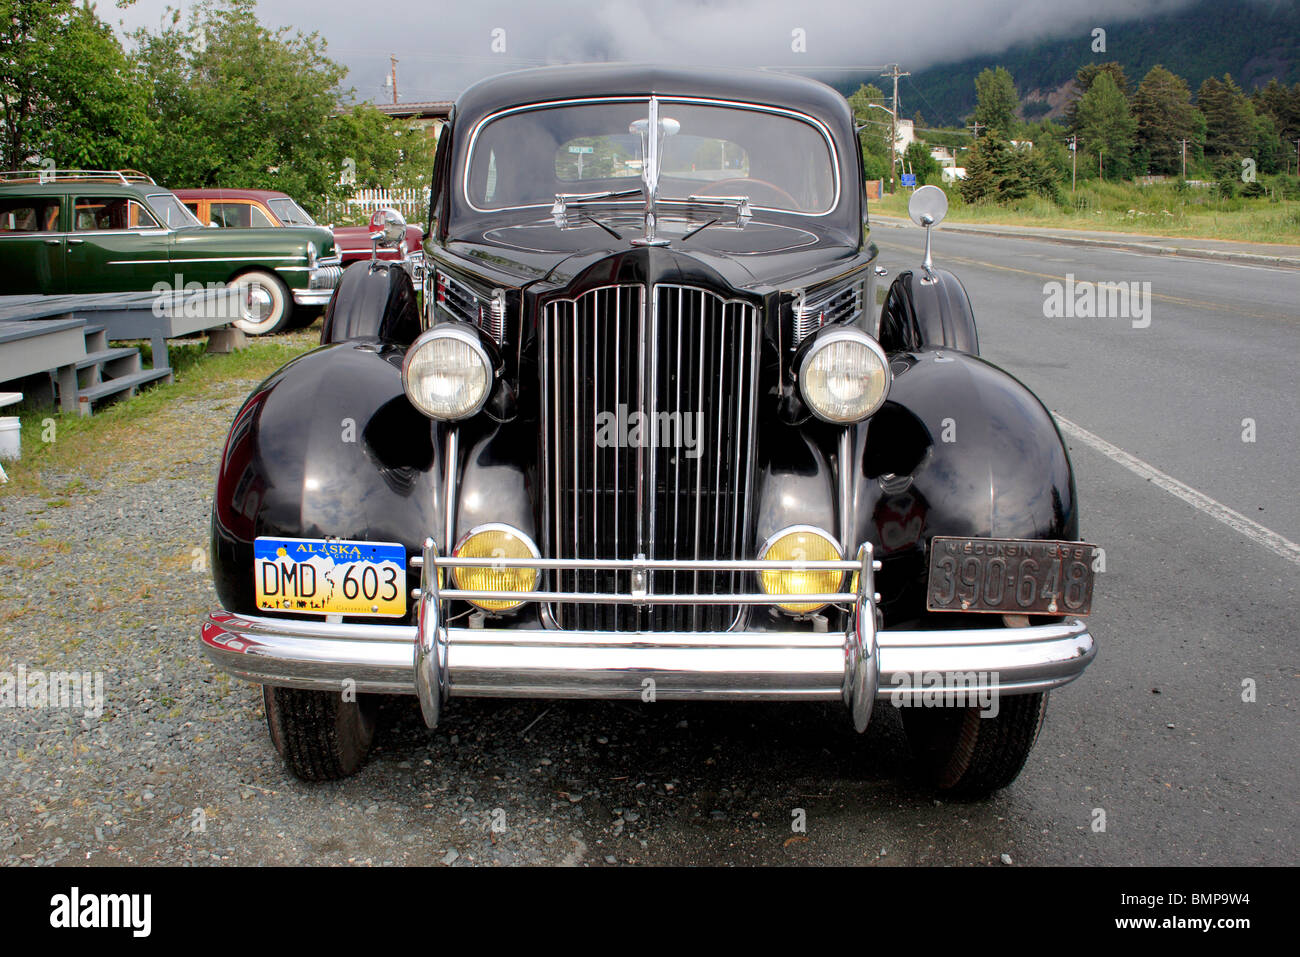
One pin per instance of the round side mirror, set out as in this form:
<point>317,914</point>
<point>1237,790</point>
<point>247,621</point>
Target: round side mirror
<point>928,206</point>
<point>387,226</point>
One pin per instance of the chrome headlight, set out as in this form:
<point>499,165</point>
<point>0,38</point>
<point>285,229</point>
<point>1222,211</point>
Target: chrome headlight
<point>844,375</point>
<point>447,373</point>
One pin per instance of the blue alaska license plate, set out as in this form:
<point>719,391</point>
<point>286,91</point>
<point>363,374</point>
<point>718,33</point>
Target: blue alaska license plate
<point>330,577</point>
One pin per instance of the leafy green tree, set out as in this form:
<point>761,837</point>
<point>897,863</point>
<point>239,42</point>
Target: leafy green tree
<point>1283,105</point>
<point>1163,112</point>
<point>875,132</point>
<point>917,159</point>
<point>994,172</point>
<point>1229,119</point>
<point>1083,83</point>
<point>1105,125</point>
<point>68,93</point>
<point>376,151</point>
<point>238,104</point>
<point>996,101</point>
<point>1049,164</point>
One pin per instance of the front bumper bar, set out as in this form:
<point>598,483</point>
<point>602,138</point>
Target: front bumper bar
<point>434,661</point>
<point>321,281</point>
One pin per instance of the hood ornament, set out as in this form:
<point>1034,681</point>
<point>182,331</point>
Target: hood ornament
<point>653,131</point>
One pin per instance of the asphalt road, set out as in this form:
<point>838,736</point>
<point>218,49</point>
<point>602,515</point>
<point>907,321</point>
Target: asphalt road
<point>1156,733</point>
<point>1199,595</point>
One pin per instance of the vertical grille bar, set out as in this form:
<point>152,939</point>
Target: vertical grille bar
<point>687,359</point>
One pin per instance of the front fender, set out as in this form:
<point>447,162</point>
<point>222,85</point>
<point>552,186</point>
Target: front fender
<point>960,448</point>
<point>328,446</point>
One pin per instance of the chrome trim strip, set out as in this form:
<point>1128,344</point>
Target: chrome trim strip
<point>667,564</point>
<point>446,661</point>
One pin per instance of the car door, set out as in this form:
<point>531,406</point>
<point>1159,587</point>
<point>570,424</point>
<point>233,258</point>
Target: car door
<point>32,245</point>
<point>115,244</point>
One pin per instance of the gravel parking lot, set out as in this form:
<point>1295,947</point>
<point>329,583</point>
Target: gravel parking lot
<point>107,574</point>
<point>103,564</point>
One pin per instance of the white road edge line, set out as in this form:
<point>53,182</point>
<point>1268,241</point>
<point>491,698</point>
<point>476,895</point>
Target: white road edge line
<point>1216,510</point>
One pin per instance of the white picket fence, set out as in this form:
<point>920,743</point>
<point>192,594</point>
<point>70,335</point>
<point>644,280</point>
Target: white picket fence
<point>411,203</point>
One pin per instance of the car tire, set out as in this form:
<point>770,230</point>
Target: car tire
<point>969,756</point>
<point>264,303</point>
<point>320,736</point>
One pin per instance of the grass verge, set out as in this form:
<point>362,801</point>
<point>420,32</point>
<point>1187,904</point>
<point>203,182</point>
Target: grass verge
<point>1159,210</point>
<point>54,443</point>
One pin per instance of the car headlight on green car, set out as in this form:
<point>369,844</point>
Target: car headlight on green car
<point>844,375</point>
<point>447,373</point>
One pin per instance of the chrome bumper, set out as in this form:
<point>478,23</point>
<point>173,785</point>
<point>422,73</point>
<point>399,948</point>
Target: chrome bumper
<point>435,661</point>
<point>321,281</point>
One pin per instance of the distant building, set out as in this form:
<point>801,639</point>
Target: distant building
<point>904,136</point>
<point>943,156</point>
<point>952,174</point>
<point>430,115</point>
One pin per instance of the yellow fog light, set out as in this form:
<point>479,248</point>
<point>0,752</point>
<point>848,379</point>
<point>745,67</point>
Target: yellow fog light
<point>800,543</point>
<point>495,541</point>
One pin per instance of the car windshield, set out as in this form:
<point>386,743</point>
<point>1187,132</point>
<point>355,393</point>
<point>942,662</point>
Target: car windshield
<point>171,211</point>
<point>290,213</point>
<point>779,160</point>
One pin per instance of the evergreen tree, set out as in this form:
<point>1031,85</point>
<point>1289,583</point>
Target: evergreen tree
<point>1105,125</point>
<point>1163,112</point>
<point>1229,119</point>
<point>996,101</point>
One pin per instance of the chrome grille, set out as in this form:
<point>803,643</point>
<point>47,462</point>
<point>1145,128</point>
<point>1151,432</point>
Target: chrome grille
<point>671,483</point>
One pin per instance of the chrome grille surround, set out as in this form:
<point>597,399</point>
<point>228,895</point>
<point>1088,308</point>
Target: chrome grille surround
<point>676,378</point>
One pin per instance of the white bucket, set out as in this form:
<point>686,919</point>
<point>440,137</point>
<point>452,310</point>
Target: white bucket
<point>11,446</point>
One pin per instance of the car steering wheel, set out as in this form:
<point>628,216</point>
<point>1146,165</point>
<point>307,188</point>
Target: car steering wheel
<point>794,203</point>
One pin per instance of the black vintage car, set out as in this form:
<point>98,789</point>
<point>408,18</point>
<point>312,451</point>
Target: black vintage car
<point>652,439</point>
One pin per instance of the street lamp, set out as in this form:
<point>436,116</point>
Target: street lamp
<point>893,135</point>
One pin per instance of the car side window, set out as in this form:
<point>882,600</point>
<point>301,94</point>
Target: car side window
<point>192,207</point>
<point>26,215</point>
<point>94,213</point>
<point>238,215</point>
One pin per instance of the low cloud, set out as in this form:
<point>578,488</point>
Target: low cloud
<point>444,47</point>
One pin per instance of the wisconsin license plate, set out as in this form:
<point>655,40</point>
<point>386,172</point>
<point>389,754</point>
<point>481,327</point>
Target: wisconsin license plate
<point>1010,576</point>
<point>333,577</point>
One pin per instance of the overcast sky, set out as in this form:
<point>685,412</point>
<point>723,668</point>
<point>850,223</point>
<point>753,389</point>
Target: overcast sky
<point>444,46</point>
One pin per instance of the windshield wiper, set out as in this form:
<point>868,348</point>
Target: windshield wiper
<point>609,229</point>
<point>560,211</point>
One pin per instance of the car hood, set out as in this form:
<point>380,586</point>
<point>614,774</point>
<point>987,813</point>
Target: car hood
<point>763,253</point>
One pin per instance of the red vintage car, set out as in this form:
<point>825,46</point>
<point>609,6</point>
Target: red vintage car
<point>266,207</point>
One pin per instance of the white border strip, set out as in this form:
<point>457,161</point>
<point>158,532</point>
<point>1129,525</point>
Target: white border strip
<point>1216,510</point>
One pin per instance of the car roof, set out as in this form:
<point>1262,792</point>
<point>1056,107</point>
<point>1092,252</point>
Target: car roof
<point>584,81</point>
<point>218,193</point>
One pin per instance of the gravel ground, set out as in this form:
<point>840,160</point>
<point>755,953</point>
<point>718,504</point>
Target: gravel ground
<point>108,575</point>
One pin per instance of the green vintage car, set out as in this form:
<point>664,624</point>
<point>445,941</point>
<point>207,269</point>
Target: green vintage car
<point>84,231</point>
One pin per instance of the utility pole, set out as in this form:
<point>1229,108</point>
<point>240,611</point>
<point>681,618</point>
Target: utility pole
<point>1184,142</point>
<point>975,126</point>
<point>893,132</point>
<point>1297,157</point>
<point>392,77</point>
<point>1100,172</point>
<point>1074,161</point>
